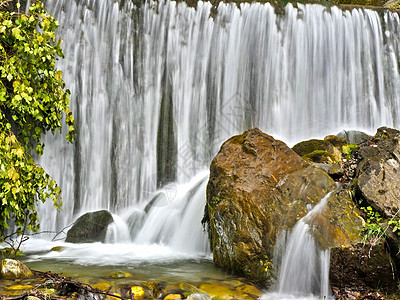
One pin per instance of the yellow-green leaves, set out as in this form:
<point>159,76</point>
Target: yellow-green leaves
<point>33,100</point>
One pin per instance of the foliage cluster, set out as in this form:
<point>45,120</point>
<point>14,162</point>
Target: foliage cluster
<point>33,101</point>
<point>348,150</point>
<point>376,227</point>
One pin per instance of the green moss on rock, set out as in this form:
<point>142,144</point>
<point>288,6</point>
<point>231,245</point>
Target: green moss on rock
<point>320,156</point>
<point>335,140</point>
<point>307,147</point>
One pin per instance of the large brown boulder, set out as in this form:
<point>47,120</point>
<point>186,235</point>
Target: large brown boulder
<point>245,205</point>
<point>378,172</point>
<point>258,188</point>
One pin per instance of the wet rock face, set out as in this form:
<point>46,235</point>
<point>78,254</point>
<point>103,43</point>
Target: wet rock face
<point>241,200</point>
<point>258,187</point>
<point>90,227</point>
<point>378,172</point>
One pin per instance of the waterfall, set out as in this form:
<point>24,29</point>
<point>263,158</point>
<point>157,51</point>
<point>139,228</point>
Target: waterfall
<point>304,269</point>
<point>156,89</point>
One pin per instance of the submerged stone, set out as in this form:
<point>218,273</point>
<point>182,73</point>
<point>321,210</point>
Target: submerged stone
<point>215,290</point>
<point>104,286</point>
<point>90,227</point>
<point>138,292</point>
<point>249,290</point>
<point>119,274</point>
<point>173,297</point>
<point>57,249</point>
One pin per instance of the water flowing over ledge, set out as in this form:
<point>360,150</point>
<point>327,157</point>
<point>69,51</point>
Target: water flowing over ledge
<point>133,71</point>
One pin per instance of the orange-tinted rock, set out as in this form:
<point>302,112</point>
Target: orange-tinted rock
<point>258,186</point>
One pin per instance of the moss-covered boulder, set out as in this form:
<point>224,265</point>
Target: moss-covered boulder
<point>320,156</point>
<point>90,227</point>
<point>318,151</point>
<point>335,140</point>
<point>309,146</point>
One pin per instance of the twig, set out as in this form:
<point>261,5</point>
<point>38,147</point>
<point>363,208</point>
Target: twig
<point>67,283</point>
<point>62,231</point>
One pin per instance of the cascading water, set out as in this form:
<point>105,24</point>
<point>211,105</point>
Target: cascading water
<point>157,88</point>
<point>304,269</point>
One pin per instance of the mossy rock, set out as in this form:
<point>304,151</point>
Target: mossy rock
<point>90,227</point>
<point>58,248</point>
<point>335,140</point>
<point>307,147</point>
<point>320,156</point>
<point>13,269</point>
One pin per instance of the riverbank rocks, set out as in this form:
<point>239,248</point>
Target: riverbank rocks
<point>90,227</point>
<point>378,172</point>
<point>259,188</point>
<point>13,269</point>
